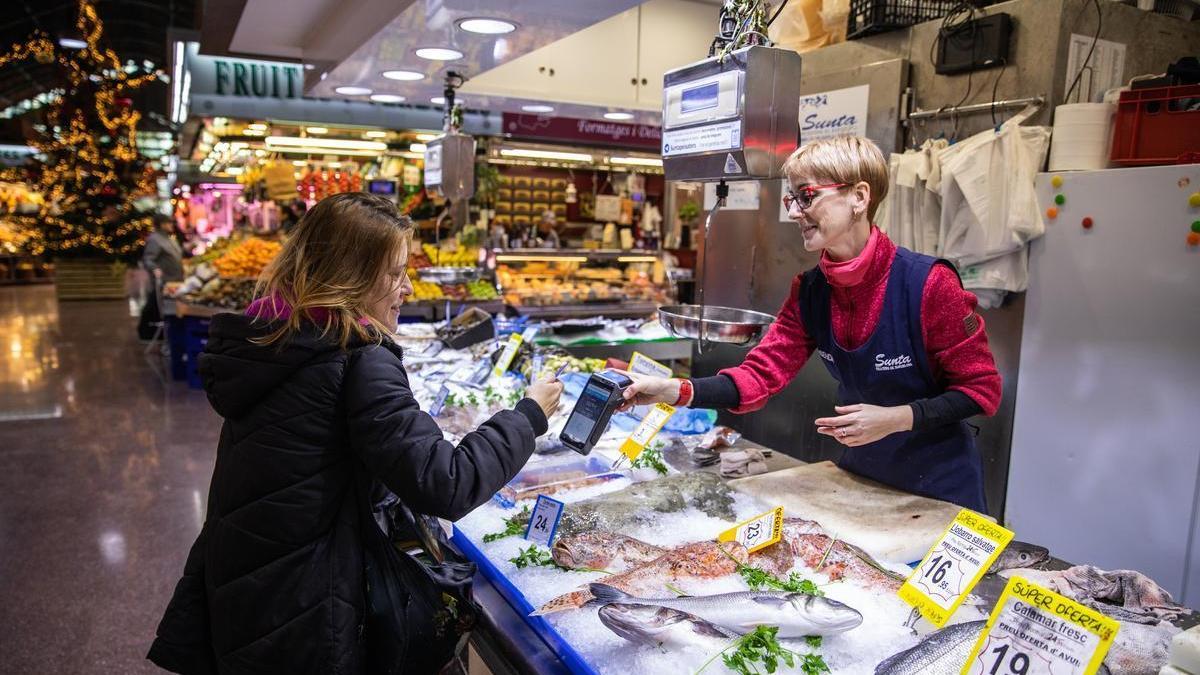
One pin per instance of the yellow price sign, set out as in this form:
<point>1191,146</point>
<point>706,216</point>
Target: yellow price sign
<point>509,353</point>
<point>961,556</point>
<point>650,425</point>
<point>1035,630</point>
<point>759,532</point>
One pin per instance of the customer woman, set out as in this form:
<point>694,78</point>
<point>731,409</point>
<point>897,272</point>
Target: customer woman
<point>314,397</point>
<point>894,328</point>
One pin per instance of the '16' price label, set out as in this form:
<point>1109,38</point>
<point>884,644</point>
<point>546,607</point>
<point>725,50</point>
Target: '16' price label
<point>1035,630</point>
<point>757,533</point>
<point>954,565</point>
<point>543,521</point>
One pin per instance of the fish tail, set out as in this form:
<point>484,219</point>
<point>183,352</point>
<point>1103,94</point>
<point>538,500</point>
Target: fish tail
<point>572,600</point>
<point>606,594</point>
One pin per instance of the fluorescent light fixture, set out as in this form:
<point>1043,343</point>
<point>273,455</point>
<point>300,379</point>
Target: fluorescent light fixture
<point>309,66</point>
<point>427,137</point>
<point>539,258</point>
<point>333,165</point>
<point>439,54</point>
<point>538,108</point>
<point>618,116</point>
<point>387,98</point>
<point>317,130</point>
<point>546,154</point>
<point>636,161</point>
<point>254,132</point>
<point>323,151</point>
<point>332,144</point>
<point>403,75</point>
<point>72,43</point>
<point>234,170</point>
<point>417,147</point>
<point>438,100</point>
<point>177,112</point>
<point>299,162</point>
<point>353,91</point>
<point>487,26</point>
<point>257,126</point>
<point>375,134</point>
<point>636,258</point>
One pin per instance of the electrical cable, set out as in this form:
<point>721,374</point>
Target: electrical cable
<point>777,13</point>
<point>1087,59</point>
<point>995,88</point>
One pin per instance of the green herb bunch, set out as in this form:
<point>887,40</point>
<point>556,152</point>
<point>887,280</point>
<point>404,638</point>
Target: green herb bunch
<point>513,525</point>
<point>759,651</point>
<point>651,458</point>
<point>758,579</point>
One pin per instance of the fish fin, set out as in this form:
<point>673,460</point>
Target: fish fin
<point>604,594</point>
<point>702,627</point>
<point>770,600</point>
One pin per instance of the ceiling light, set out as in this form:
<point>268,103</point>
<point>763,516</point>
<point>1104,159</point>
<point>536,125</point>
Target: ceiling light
<point>254,132</point>
<point>327,143</point>
<point>487,26</point>
<point>403,75</point>
<point>427,137</point>
<point>438,100</point>
<point>299,162</point>
<point>387,98</point>
<point>316,130</point>
<point>375,134</point>
<point>417,147</point>
<point>539,108</point>
<point>234,170</point>
<point>309,66</point>
<point>333,165</point>
<point>72,43</point>
<point>353,91</point>
<point>636,161</point>
<point>439,54</point>
<point>546,154</point>
<point>618,116</point>
<point>257,126</point>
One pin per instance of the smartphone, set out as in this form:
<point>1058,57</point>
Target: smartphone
<point>601,396</point>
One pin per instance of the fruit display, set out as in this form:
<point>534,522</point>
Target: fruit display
<point>479,290</point>
<point>482,290</point>
<point>424,290</point>
<point>463,256</point>
<point>246,258</point>
<point>203,287</point>
<point>537,285</point>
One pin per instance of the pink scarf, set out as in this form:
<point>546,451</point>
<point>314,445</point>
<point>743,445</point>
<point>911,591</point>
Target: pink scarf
<point>852,271</point>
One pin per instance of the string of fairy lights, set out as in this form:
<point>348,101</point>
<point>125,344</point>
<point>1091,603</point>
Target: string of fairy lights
<point>92,171</point>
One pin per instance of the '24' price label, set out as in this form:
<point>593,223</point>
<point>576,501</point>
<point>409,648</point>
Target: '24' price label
<point>543,521</point>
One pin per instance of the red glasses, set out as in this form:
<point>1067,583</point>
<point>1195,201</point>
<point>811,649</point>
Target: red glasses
<point>805,196</point>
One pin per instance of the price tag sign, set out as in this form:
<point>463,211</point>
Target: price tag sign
<point>543,521</point>
<point>509,353</point>
<point>440,401</point>
<point>641,364</point>
<point>954,565</point>
<point>1035,630</point>
<point>646,429</point>
<point>759,532</point>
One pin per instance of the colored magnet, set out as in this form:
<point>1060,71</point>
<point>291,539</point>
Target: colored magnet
<point>1060,199</point>
<point>1193,239</point>
<point>1052,213</point>
<point>1194,200</point>
<point>1087,223</point>
<point>1056,181</point>
<point>1196,227</point>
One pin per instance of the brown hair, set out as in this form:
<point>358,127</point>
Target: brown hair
<point>843,159</point>
<point>326,270</point>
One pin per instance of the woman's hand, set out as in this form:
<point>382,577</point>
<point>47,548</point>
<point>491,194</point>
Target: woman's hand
<point>648,390</point>
<point>546,392</point>
<point>860,423</point>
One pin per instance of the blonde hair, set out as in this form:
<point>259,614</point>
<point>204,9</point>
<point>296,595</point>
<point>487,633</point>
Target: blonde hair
<point>330,265</point>
<point>843,159</point>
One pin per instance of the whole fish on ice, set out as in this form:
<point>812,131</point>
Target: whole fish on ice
<point>1019,555</point>
<point>603,550</point>
<point>796,614</point>
<point>839,559</point>
<point>664,627</point>
<point>942,652</point>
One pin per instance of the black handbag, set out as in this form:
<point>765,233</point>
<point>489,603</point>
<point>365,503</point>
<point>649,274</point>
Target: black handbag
<point>419,605</point>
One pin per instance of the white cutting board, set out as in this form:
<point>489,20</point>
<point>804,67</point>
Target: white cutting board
<point>891,525</point>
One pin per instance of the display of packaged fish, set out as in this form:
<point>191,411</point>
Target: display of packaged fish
<point>603,550</point>
<point>663,627</point>
<point>796,615</point>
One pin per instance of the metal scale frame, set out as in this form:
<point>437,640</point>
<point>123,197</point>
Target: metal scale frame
<point>450,173</point>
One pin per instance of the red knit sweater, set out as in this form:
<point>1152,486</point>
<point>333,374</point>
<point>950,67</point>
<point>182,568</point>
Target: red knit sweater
<point>953,332</point>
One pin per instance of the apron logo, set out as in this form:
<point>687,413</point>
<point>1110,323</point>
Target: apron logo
<point>883,363</point>
<point>825,355</point>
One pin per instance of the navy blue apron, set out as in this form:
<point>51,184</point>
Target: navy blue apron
<point>892,368</point>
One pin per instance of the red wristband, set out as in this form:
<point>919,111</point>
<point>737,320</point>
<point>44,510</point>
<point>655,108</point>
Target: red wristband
<point>685,393</point>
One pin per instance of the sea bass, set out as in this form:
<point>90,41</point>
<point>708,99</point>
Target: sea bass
<point>1019,555</point>
<point>796,614</point>
<point>663,627</point>
<point>699,560</point>
<point>942,652</point>
<point>603,550</point>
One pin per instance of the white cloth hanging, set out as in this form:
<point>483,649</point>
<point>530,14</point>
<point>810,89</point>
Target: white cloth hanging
<point>911,214</point>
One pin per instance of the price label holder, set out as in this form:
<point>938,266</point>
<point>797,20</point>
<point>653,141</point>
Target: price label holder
<point>757,533</point>
<point>440,401</point>
<point>641,364</point>
<point>1034,630</point>
<point>965,551</point>
<point>507,356</point>
<point>646,430</point>
<point>543,521</point>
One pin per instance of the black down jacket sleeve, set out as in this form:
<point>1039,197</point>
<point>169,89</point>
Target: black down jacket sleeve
<point>404,448</point>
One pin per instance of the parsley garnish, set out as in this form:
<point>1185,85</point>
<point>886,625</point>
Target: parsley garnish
<point>512,526</point>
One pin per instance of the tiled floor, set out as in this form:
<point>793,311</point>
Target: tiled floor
<point>104,470</point>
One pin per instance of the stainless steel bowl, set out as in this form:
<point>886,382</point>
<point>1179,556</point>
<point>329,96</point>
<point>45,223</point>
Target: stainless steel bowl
<point>448,275</point>
<point>721,324</point>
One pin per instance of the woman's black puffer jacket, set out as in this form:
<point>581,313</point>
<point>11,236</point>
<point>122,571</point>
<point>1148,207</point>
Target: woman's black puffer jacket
<point>274,582</point>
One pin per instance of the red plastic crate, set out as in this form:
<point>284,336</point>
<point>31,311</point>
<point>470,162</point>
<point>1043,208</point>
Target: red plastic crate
<point>1157,126</point>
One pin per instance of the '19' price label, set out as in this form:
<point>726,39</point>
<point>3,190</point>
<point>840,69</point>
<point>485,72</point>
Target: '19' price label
<point>954,565</point>
<point>757,533</point>
<point>1035,630</point>
<point>543,521</point>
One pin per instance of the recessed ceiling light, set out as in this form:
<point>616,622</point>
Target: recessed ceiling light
<point>299,162</point>
<point>257,126</point>
<point>387,98</point>
<point>72,43</point>
<point>254,132</point>
<point>618,116</point>
<point>353,91</point>
<point>538,108</point>
<point>426,137</point>
<point>375,134</point>
<point>439,53</point>
<point>403,75</point>
<point>309,66</point>
<point>438,100</point>
<point>417,147</point>
<point>316,130</point>
<point>487,26</point>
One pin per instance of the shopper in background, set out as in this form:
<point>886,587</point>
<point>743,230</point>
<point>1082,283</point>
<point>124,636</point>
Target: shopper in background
<point>548,231</point>
<point>894,328</point>
<point>291,572</point>
<point>162,258</point>
<point>293,211</point>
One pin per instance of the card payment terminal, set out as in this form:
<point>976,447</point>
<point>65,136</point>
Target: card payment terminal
<point>601,396</point>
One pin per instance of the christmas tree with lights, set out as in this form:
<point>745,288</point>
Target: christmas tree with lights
<point>87,165</point>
